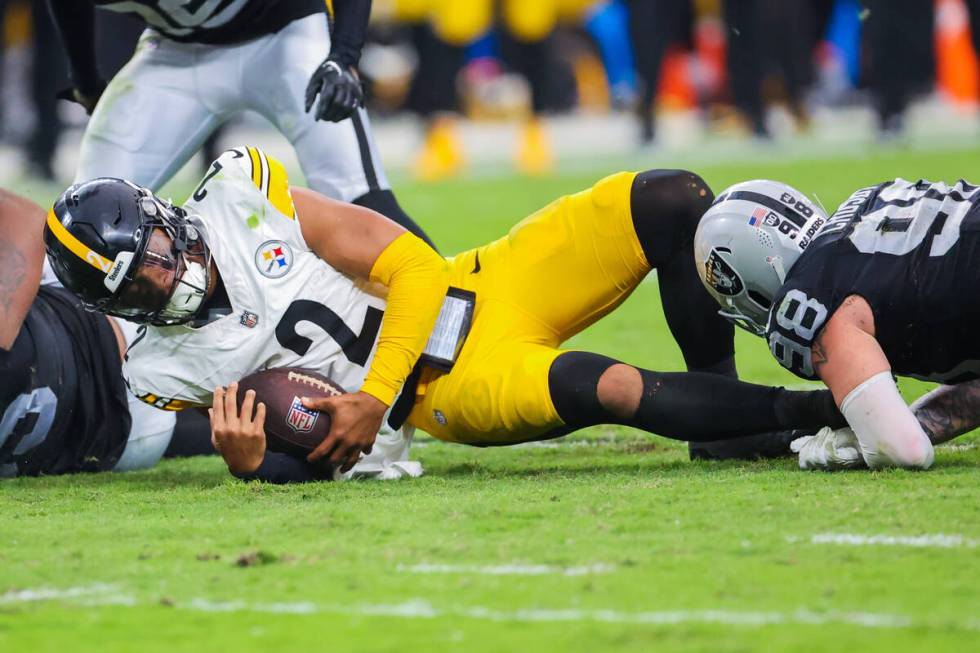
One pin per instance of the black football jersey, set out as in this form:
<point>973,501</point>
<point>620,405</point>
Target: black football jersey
<point>912,251</point>
<point>216,21</point>
<point>63,403</point>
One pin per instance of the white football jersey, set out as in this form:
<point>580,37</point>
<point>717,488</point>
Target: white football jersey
<point>290,308</point>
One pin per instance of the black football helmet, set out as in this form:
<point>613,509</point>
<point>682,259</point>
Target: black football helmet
<point>98,237</point>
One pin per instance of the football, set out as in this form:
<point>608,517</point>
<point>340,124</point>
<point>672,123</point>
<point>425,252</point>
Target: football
<point>290,427</point>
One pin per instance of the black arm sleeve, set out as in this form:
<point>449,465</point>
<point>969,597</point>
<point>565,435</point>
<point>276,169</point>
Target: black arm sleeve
<point>282,468</point>
<point>350,23</point>
<point>75,20</point>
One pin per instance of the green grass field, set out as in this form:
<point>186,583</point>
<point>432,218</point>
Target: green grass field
<point>608,540</point>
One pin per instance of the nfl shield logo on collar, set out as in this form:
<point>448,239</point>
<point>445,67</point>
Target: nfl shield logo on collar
<point>300,418</point>
<point>249,319</point>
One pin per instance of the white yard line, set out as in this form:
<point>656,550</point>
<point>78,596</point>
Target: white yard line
<point>937,540</point>
<point>53,594</point>
<point>99,594</point>
<point>969,446</point>
<point>551,444</point>
<point>507,570</point>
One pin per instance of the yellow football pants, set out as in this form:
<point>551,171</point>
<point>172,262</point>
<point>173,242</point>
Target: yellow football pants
<point>554,274</point>
<point>460,23</point>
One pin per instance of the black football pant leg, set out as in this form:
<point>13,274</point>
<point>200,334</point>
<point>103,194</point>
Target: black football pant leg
<point>48,76</point>
<point>973,6</point>
<point>192,436</point>
<point>654,26</point>
<point>901,52</point>
<point>550,78</point>
<point>666,206</point>
<point>745,59</point>
<point>433,88</point>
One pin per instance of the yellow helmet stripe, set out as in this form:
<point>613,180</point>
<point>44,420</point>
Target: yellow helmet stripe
<point>75,246</point>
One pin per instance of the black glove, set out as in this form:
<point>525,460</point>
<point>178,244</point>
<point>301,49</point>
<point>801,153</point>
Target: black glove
<point>88,99</point>
<point>339,89</point>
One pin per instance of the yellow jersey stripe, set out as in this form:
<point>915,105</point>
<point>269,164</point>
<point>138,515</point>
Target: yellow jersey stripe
<point>253,156</point>
<point>177,404</point>
<point>75,246</point>
<point>264,188</point>
<point>278,191</point>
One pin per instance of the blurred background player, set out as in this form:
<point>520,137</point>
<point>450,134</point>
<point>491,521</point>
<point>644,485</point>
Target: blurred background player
<point>27,26</point>
<point>197,65</point>
<point>518,34</point>
<point>708,68</point>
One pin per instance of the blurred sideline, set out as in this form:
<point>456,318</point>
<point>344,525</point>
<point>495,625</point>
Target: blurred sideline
<point>584,142</point>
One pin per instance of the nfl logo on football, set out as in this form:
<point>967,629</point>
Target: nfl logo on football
<point>300,418</point>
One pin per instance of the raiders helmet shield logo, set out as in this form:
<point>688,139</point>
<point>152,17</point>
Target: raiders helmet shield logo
<point>300,418</point>
<point>721,276</point>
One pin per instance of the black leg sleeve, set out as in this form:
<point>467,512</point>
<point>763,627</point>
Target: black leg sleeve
<point>697,407</point>
<point>666,206</point>
<point>384,202</point>
<point>192,436</point>
<point>686,405</point>
<point>280,468</point>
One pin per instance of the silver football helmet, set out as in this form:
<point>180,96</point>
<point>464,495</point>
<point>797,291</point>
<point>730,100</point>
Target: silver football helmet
<point>747,242</point>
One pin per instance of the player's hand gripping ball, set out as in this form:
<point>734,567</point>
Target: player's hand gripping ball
<point>290,427</point>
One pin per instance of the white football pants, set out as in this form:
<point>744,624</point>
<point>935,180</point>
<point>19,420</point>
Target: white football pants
<point>151,428</point>
<point>163,104</point>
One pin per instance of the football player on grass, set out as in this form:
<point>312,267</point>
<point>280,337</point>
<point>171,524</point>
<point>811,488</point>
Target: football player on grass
<point>883,287</point>
<point>199,63</point>
<point>249,274</point>
<point>63,403</point>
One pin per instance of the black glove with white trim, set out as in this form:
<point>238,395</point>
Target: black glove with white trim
<point>339,90</point>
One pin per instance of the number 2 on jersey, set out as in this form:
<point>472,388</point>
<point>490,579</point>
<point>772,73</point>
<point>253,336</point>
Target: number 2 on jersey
<point>356,346</point>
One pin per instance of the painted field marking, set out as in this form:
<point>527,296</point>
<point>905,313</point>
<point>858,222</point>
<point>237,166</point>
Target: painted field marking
<point>507,570</point>
<point>936,540</point>
<point>100,594</point>
<point>548,444</point>
<point>52,594</point>
<point>968,446</point>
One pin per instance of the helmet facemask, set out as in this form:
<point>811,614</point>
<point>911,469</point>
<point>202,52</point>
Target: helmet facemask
<point>172,250</point>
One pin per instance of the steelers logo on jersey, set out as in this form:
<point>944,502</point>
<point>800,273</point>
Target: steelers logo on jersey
<point>273,258</point>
